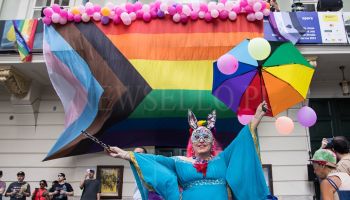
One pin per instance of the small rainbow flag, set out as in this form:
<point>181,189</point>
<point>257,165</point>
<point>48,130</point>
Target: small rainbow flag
<point>24,31</point>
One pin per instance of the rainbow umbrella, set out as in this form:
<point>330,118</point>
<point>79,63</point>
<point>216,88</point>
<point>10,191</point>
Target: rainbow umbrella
<point>282,79</point>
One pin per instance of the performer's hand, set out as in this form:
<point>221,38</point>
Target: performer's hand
<point>118,153</point>
<point>261,109</point>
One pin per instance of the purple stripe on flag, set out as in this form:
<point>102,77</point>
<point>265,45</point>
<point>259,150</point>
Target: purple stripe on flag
<point>69,89</point>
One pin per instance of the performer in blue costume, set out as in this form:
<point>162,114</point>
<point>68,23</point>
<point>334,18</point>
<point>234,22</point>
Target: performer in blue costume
<point>205,175</point>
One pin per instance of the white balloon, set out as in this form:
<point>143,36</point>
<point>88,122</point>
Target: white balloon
<point>220,6</point>
<point>85,17</point>
<point>186,10</point>
<point>229,5</point>
<point>195,6</point>
<point>163,7</point>
<point>89,5</point>
<point>110,5</point>
<point>251,17</point>
<point>214,13</point>
<point>259,15</point>
<point>232,15</point>
<point>63,20</point>
<point>212,5</point>
<point>257,7</point>
<point>55,18</point>
<point>176,17</point>
<point>201,14</point>
<point>96,16</point>
<point>132,16</point>
<point>145,8</point>
<point>266,12</point>
<point>251,2</point>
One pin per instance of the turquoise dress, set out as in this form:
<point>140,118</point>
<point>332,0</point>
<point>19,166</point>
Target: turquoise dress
<point>237,167</point>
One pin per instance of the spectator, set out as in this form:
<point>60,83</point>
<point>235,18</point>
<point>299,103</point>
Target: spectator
<point>90,186</point>
<point>18,190</point>
<point>340,145</point>
<point>273,5</point>
<point>2,186</point>
<point>324,162</point>
<point>61,190</point>
<point>41,192</point>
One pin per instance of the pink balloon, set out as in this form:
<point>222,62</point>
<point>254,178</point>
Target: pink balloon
<point>183,19</point>
<point>236,9</point>
<point>47,20</point>
<point>56,8</point>
<point>90,11</point>
<point>116,19</point>
<point>129,7</point>
<point>146,17</point>
<point>64,13</point>
<point>97,8</point>
<point>284,125</point>
<point>178,8</point>
<point>154,13</point>
<point>207,17</point>
<point>223,14</point>
<point>139,14</point>
<point>307,116</point>
<point>227,64</point>
<point>251,17</point>
<point>137,5</point>
<point>266,12</point>
<point>243,3</point>
<point>248,9</point>
<point>263,5</point>
<point>245,119</point>
<point>77,18</point>
<point>63,20</point>
<point>194,15</point>
<point>172,10</point>
<point>203,7</point>
<point>118,11</point>
<point>70,16</point>
<point>48,12</point>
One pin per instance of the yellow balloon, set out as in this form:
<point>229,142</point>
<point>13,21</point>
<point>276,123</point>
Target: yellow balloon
<point>75,11</point>
<point>105,11</point>
<point>259,48</point>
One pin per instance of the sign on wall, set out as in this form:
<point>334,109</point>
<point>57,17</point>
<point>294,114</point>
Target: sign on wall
<point>309,21</point>
<point>332,27</point>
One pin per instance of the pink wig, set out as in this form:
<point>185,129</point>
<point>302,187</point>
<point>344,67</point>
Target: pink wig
<point>216,148</point>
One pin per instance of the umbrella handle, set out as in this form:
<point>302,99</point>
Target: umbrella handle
<point>93,138</point>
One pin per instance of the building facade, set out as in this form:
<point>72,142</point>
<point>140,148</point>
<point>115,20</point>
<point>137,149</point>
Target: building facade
<point>29,126</point>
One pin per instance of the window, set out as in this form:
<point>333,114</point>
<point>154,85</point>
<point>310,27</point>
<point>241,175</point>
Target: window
<point>39,4</point>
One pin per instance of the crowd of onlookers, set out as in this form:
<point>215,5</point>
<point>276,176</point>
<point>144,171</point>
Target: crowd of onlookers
<point>59,190</point>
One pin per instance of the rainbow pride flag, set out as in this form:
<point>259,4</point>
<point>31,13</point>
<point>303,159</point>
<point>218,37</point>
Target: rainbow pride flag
<point>24,31</point>
<point>151,74</point>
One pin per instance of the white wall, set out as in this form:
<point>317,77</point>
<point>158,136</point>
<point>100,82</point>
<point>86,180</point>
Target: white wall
<point>23,146</point>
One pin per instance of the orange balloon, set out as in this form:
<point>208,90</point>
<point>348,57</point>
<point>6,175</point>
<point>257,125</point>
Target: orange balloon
<point>268,6</point>
<point>105,11</point>
<point>284,125</point>
<point>75,11</point>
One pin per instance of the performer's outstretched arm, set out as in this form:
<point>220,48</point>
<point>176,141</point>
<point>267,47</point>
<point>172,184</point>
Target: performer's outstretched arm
<point>259,114</point>
<point>117,152</point>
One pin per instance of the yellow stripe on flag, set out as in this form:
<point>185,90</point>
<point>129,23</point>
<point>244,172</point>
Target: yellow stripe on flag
<point>298,76</point>
<point>188,75</point>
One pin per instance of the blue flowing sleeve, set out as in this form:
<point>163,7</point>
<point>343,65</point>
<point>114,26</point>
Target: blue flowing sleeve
<point>244,171</point>
<point>155,173</point>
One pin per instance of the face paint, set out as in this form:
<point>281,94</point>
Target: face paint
<point>202,134</point>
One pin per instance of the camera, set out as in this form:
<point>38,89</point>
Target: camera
<point>329,144</point>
